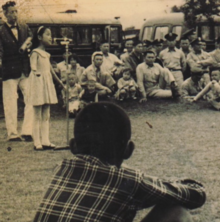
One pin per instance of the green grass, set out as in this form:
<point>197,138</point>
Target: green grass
<point>183,142</point>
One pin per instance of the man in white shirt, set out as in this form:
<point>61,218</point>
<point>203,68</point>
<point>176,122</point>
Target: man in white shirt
<point>152,79</point>
<point>109,59</point>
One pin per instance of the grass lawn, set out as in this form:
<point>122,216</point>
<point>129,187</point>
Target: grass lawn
<point>183,141</point>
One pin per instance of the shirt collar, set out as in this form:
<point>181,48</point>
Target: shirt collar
<point>198,53</point>
<point>149,66</point>
<point>96,68</point>
<point>171,50</point>
<point>9,25</point>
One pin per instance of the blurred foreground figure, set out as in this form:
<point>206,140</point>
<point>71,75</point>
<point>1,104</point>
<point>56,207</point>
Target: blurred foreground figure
<point>94,186</point>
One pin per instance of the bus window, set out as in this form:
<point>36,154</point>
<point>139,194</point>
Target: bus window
<point>106,32</point>
<point>62,32</point>
<point>161,32</point>
<point>178,31</point>
<point>114,35</point>
<point>97,35</point>
<point>205,33</point>
<point>84,36</point>
<point>217,31</point>
<point>147,33</point>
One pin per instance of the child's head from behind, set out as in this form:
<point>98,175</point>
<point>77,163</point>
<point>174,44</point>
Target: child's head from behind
<point>126,73</point>
<point>73,60</point>
<point>42,37</point>
<point>215,74</point>
<point>91,85</point>
<point>103,130</point>
<point>72,79</point>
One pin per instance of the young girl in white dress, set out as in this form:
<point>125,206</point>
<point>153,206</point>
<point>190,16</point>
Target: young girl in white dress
<point>42,91</point>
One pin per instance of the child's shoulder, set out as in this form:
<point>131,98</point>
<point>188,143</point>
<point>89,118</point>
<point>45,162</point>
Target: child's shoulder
<point>40,52</point>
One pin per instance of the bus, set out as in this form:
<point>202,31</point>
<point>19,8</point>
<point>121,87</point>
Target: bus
<point>85,32</point>
<point>157,27</point>
<point>208,31</point>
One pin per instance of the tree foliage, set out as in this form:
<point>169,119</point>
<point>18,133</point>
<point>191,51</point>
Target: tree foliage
<point>194,8</point>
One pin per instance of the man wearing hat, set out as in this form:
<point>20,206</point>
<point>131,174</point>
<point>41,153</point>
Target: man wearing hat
<point>173,58</point>
<point>192,86</point>
<point>158,46</point>
<point>196,57</point>
<point>185,45</point>
<point>186,49</point>
<point>190,34</point>
<point>147,44</point>
<point>129,44</point>
<point>214,59</point>
<point>109,59</point>
<point>135,58</point>
<point>152,79</point>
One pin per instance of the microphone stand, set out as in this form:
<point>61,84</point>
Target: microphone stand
<point>65,41</point>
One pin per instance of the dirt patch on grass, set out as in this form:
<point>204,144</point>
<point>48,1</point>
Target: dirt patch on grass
<point>173,140</point>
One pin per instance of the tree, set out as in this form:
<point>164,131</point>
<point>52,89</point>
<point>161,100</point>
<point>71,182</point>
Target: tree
<point>193,8</point>
<point>175,9</point>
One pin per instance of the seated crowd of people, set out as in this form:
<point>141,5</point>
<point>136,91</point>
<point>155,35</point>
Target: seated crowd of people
<point>145,69</point>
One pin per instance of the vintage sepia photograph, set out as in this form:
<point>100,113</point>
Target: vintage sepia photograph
<point>109,111</point>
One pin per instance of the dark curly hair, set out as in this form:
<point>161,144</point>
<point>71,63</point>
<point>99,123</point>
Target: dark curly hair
<point>8,4</point>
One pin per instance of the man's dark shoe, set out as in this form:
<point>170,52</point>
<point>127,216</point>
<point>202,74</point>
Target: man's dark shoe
<point>175,90</point>
<point>27,138</point>
<point>15,139</point>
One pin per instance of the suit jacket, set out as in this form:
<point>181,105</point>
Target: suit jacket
<point>14,63</point>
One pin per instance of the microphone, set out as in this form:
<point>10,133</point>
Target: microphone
<point>62,39</point>
<point>26,45</point>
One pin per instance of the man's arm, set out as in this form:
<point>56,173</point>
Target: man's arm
<point>203,92</point>
<point>1,48</point>
<point>187,193</point>
<point>183,61</point>
<point>140,82</point>
<point>194,66</point>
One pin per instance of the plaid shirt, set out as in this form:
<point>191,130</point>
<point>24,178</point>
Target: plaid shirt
<point>85,189</point>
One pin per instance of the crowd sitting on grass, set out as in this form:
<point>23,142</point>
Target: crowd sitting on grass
<point>147,71</point>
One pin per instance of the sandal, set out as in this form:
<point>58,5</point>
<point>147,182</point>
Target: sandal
<point>38,148</point>
<point>49,147</point>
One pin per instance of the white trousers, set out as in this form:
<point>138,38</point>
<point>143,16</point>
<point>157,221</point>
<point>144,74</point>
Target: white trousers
<point>41,125</point>
<point>10,97</point>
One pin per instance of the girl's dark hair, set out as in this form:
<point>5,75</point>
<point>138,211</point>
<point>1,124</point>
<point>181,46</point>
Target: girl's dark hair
<point>39,32</point>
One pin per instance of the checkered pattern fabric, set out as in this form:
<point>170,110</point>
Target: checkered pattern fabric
<point>85,189</point>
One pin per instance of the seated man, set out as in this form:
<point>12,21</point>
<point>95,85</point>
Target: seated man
<point>110,61</point>
<point>62,67</point>
<point>195,59</point>
<point>135,58</point>
<point>104,81</point>
<point>214,59</point>
<point>192,86</point>
<point>129,47</point>
<point>93,186</point>
<point>212,89</point>
<point>152,79</point>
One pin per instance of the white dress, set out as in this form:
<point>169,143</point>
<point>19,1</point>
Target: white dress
<point>41,89</point>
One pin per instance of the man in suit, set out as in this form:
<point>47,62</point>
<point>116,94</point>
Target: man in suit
<point>15,70</point>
